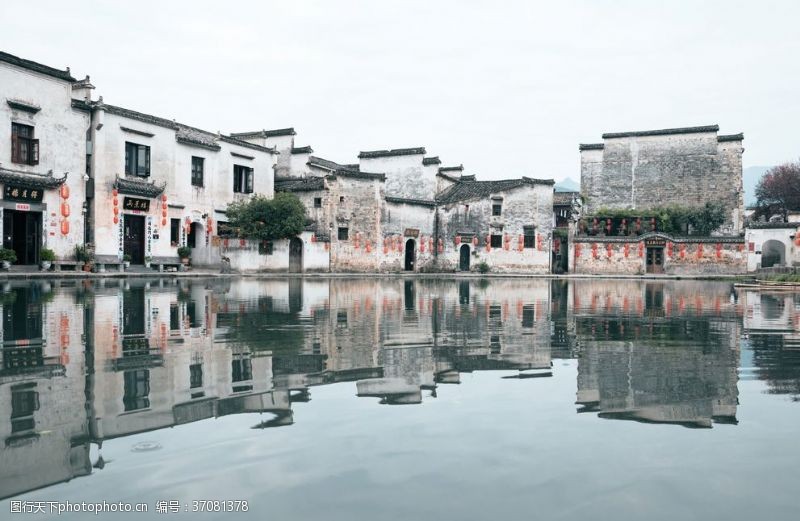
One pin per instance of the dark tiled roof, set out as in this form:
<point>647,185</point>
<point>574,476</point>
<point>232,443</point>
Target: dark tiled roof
<point>372,154</point>
<point>359,175</point>
<point>466,190</point>
<point>191,137</point>
<point>731,137</point>
<point>305,184</point>
<point>662,132</point>
<point>23,106</point>
<point>182,131</point>
<point>591,146</point>
<point>404,200</point>
<point>245,144</point>
<point>431,161</point>
<point>265,133</point>
<point>325,164</point>
<point>468,177</point>
<point>139,187</point>
<point>564,198</point>
<point>352,166</point>
<point>459,168</point>
<point>302,150</point>
<point>80,104</point>
<point>448,177</point>
<point>36,67</point>
<point>30,180</point>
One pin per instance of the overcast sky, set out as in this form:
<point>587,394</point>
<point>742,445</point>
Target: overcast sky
<point>506,88</point>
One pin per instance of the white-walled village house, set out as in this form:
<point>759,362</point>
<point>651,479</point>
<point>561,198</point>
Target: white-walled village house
<point>43,127</point>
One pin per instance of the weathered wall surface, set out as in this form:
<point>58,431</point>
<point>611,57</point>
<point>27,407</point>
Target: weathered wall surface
<point>658,170</point>
<point>617,257</point>
<point>356,206</point>
<point>247,257</point>
<point>61,131</point>
<point>521,207</point>
<point>401,222</point>
<point>405,175</point>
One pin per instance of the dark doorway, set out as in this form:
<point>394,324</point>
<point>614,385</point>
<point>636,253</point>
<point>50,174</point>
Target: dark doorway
<point>463,258</point>
<point>22,232</point>
<point>773,253</point>
<point>655,260</point>
<point>133,243</point>
<point>195,231</point>
<point>295,255</point>
<point>411,255</point>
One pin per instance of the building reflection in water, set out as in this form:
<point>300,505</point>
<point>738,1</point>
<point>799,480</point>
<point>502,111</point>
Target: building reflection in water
<point>88,361</point>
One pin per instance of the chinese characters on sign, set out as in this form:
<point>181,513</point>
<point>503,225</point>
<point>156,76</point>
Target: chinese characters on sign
<point>23,193</point>
<point>133,203</point>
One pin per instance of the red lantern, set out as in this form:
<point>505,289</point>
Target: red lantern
<point>594,250</point>
<point>164,198</point>
<point>114,192</point>
<point>64,191</point>
<point>163,222</point>
<point>608,250</point>
<point>719,250</point>
<point>488,243</point>
<point>65,209</point>
<point>368,247</point>
<point>116,211</point>
<point>475,241</point>
<point>64,227</point>
<point>116,219</point>
<point>641,249</point>
<point>441,246</point>
<point>577,251</point>
<point>115,201</point>
<point>700,251</point>
<point>313,237</point>
<point>458,240</point>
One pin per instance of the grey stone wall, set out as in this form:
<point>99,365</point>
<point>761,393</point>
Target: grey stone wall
<point>647,171</point>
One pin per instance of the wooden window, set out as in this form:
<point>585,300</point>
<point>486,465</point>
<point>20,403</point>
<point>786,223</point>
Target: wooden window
<point>174,232</point>
<point>242,179</point>
<point>341,198</point>
<point>136,385</point>
<point>343,233</point>
<point>497,241</point>
<point>318,202</point>
<point>24,149</point>
<point>197,171</point>
<point>241,369</point>
<point>497,208</point>
<point>529,236</point>
<point>137,159</point>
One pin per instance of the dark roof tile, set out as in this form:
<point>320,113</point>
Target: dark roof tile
<point>466,190</point>
<point>662,132</point>
<point>36,67</point>
<point>265,133</point>
<point>372,154</point>
<point>431,161</point>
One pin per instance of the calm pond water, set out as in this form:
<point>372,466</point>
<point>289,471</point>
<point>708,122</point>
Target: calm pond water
<point>349,399</point>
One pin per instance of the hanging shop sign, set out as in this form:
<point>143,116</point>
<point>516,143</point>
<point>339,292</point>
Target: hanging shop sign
<point>656,243</point>
<point>134,203</point>
<point>23,193</point>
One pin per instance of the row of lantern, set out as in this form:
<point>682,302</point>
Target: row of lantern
<point>64,193</point>
<point>116,210</point>
<point>682,250</point>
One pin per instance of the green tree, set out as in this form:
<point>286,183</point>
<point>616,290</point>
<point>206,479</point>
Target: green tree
<point>266,219</point>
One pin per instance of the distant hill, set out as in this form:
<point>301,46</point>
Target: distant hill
<point>750,177</point>
<point>567,185</point>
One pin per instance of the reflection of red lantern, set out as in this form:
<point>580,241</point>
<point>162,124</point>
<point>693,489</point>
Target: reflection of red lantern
<point>64,227</point>
<point>594,250</point>
<point>441,246</point>
<point>488,243</point>
<point>369,247</point>
<point>608,250</point>
<point>64,191</point>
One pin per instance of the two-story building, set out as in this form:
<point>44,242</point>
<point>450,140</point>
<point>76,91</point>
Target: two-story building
<point>160,185</point>
<point>43,123</point>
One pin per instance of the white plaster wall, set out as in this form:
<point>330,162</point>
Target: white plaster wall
<point>757,237</point>
<point>61,131</point>
<point>405,175</point>
<point>170,162</point>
